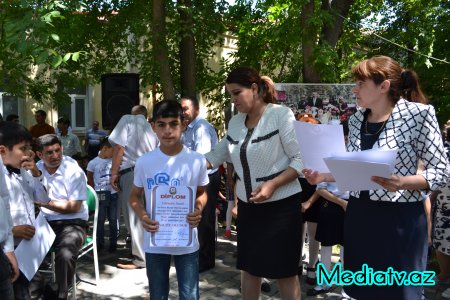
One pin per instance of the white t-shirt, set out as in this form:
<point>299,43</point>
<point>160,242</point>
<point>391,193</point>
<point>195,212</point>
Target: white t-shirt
<point>67,183</point>
<point>134,133</point>
<point>187,168</point>
<point>101,169</point>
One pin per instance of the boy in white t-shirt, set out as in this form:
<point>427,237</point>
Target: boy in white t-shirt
<point>171,164</point>
<point>98,176</point>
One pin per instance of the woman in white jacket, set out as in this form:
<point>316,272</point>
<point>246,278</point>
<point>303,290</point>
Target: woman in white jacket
<point>263,148</point>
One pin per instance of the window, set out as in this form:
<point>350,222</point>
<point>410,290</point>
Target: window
<point>77,110</point>
<point>9,105</point>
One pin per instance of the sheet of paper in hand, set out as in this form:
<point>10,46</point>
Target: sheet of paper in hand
<point>170,206</point>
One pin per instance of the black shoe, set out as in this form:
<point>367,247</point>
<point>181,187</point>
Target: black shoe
<point>314,292</point>
<point>311,280</point>
<point>265,287</point>
<point>50,292</point>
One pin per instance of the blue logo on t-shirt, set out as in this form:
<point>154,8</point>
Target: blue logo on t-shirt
<point>162,179</point>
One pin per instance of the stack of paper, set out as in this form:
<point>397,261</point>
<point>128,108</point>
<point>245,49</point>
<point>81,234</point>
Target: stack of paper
<point>353,170</point>
<point>323,149</point>
<point>318,141</point>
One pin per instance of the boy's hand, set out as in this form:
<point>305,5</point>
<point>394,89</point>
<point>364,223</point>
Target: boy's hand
<point>14,266</point>
<point>194,218</point>
<point>29,164</point>
<point>115,182</point>
<point>23,231</point>
<point>149,225</point>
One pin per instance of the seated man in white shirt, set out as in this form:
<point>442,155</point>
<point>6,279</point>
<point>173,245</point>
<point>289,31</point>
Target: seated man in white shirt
<point>66,209</point>
<point>15,150</point>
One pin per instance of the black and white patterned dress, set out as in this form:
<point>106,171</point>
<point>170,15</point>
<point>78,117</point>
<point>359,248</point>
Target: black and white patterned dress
<point>441,235</point>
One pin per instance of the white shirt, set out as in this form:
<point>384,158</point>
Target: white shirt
<point>187,168</point>
<point>200,136</point>
<point>101,169</point>
<point>134,133</point>
<point>67,183</point>
<point>21,189</point>
<point>6,236</point>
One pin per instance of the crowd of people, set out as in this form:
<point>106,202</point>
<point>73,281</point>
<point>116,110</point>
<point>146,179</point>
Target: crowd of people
<point>274,198</point>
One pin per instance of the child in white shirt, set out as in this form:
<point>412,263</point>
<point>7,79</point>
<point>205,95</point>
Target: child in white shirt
<point>173,165</point>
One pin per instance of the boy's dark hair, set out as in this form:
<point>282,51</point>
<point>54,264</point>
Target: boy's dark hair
<point>41,112</point>
<point>104,143</point>
<point>47,140</point>
<point>193,100</point>
<point>12,133</point>
<point>167,109</point>
<point>64,121</point>
<point>12,117</point>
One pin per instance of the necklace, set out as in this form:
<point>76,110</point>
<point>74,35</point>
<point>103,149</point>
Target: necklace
<point>378,131</point>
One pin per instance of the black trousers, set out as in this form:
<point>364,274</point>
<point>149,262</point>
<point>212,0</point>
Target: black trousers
<point>21,288</point>
<point>6,286</point>
<point>207,226</point>
<point>68,242</point>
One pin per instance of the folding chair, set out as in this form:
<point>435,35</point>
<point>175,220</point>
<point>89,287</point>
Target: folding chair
<point>90,243</point>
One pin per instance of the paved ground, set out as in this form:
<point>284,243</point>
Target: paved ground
<point>222,282</point>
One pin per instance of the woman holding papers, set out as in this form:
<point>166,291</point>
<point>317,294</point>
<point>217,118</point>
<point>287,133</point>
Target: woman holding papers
<point>386,228</point>
<point>263,148</point>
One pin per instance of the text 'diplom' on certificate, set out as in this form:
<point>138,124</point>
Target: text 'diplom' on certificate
<point>170,206</point>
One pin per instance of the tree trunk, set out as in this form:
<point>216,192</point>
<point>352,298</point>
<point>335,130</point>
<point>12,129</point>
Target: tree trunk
<point>160,49</point>
<point>187,49</point>
<point>309,40</point>
<point>338,9</point>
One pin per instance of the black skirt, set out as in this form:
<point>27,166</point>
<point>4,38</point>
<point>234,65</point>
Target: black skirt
<point>330,228</point>
<point>385,234</point>
<point>269,238</point>
<point>312,214</point>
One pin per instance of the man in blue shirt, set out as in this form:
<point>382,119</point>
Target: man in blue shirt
<point>93,137</point>
<point>201,137</point>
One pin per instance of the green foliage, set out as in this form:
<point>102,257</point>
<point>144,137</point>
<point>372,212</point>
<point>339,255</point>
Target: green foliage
<point>421,26</point>
<point>269,37</point>
<point>29,48</point>
<point>48,45</point>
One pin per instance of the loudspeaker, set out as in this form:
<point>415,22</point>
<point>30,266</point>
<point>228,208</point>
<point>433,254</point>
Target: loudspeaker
<point>120,92</point>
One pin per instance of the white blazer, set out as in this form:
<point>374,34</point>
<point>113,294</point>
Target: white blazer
<point>261,154</point>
